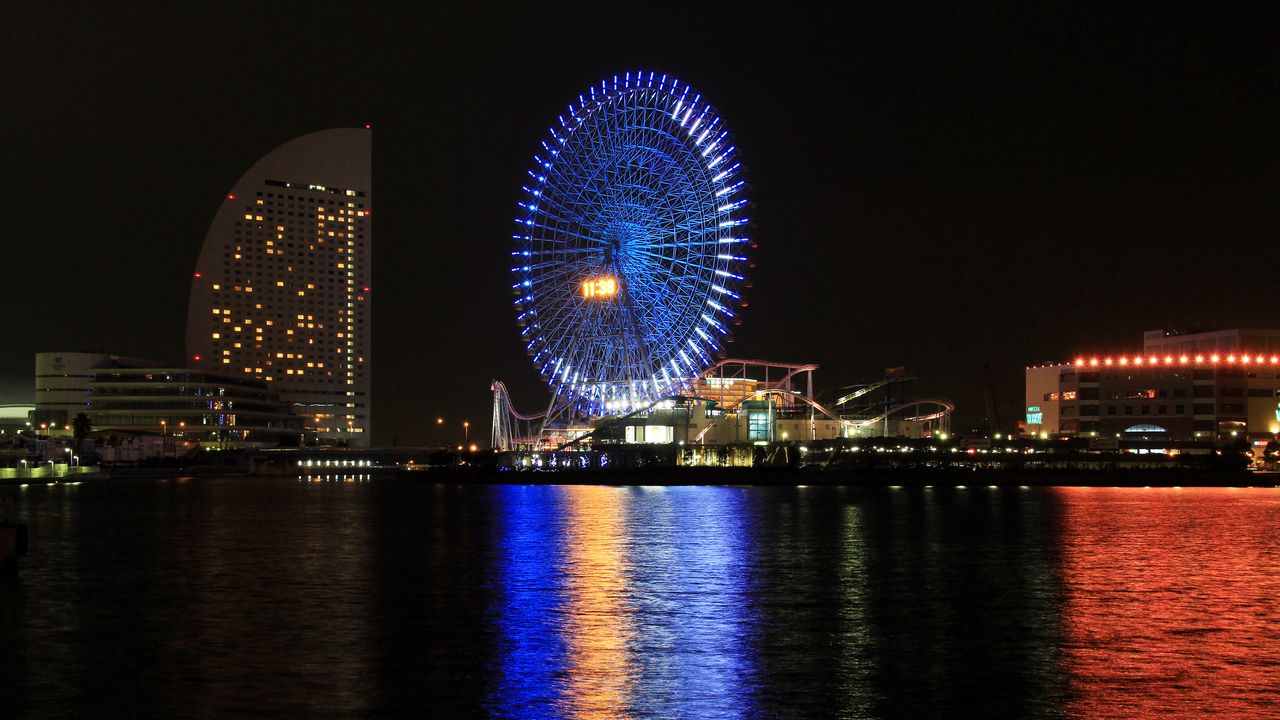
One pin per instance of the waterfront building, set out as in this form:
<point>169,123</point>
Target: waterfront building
<point>1218,385</point>
<point>124,396</point>
<point>745,402</point>
<point>738,402</point>
<point>15,418</point>
<point>281,290</point>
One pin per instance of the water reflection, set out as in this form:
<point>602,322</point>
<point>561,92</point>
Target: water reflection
<point>623,602</point>
<point>690,551</point>
<point>1171,602</point>
<point>529,595</point>
<point>406,599</point>
<point>598,622</point>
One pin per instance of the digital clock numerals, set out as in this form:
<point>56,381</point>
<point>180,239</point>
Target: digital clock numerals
<point>601,287</point>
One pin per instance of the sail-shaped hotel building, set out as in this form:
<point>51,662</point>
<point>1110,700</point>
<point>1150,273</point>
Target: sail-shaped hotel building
<point>282,288</point>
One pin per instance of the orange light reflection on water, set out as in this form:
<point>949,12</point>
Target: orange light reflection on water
<point>1171,599</point>
<point>601,674</point>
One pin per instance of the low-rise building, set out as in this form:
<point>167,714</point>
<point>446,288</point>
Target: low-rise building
<point>131,396</point>
<point>1182,386</point>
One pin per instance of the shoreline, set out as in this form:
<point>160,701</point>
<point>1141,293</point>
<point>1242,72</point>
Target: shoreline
<point>728,476</point>
<point>786,477</point>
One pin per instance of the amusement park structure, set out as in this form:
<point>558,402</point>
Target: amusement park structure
<point>629,262</point>
<point>737,402</point>
<point>629,255</point>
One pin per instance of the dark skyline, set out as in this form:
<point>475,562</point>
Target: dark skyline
<point>935,191</point>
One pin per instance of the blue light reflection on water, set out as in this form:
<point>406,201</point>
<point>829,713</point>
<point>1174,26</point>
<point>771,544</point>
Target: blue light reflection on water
<point>532,650</point>
<point>618,606</point>
<point>693,611</point>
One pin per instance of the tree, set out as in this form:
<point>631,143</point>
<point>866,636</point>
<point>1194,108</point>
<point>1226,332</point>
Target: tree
<point>81,426</point>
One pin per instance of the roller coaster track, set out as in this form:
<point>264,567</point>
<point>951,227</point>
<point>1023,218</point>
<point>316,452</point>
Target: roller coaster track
<point>506,430</point>
<point>946,408</point>
<point>870,388</point>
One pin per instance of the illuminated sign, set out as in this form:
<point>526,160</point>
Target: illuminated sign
<point>601,287</point>
<point>1034,415</point>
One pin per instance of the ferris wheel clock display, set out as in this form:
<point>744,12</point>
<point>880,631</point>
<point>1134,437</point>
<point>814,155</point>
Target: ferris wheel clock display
<point>630,250</point>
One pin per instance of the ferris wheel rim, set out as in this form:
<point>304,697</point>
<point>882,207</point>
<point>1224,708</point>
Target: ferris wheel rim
<point>640,185</point>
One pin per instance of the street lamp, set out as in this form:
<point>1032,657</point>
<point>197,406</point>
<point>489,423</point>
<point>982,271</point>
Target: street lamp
<point>466,431</point>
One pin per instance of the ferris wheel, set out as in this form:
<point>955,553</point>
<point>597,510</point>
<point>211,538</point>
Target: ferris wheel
<point>630,250</point>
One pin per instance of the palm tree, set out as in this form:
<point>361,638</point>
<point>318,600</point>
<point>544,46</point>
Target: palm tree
<point>81,426</point>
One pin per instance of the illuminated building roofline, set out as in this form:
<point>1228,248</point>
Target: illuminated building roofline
<point>1154,360</point>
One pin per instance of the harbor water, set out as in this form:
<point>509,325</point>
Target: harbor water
<point>384,597</point>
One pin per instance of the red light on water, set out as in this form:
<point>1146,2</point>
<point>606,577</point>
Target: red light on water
<point>1144,568</point>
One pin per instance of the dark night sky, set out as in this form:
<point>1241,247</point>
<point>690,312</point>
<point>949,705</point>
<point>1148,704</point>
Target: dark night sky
<point>935,190</point>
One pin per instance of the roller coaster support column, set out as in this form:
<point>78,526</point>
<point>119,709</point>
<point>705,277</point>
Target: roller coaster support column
<point>813,426</point>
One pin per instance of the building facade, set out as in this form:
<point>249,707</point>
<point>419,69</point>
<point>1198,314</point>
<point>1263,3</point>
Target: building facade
<point>1218,386</point>
<point>281,290</point>
<point>130,396</point>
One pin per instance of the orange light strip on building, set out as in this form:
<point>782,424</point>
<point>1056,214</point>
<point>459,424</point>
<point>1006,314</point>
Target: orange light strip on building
<point>1157,361</point>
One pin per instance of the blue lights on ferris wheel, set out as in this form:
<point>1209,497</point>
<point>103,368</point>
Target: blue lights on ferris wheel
<point>631,244</point>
